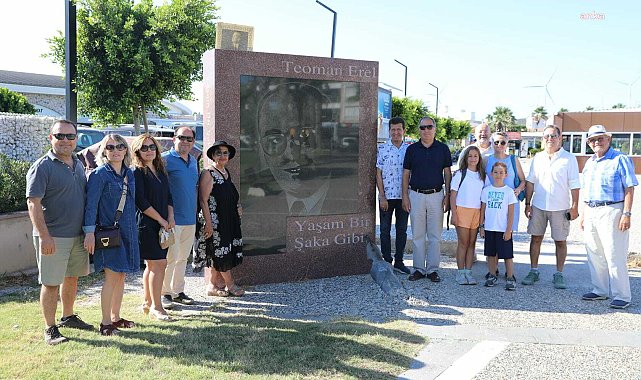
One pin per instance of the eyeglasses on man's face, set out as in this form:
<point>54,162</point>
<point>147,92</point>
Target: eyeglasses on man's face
<point>550,136</point>
<point>62,136</point>
<point>151,147</point>
<point>429,127</point>
<point>119,147</point>
<point>600,139</point>
<point>185,138</point>
<point>500,142</point>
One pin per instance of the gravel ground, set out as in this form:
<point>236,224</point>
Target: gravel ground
<point>544,361</point>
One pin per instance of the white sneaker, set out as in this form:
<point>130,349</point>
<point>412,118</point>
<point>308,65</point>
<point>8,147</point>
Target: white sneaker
<point>461,279</point>
<point>470,278</point>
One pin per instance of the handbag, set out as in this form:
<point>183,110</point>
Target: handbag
<point>166,238</point>
<point>109,236</point>
<point>517,181</point>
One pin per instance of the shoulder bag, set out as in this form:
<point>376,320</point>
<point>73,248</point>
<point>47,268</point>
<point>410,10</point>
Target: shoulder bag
<point>517,181</point>
<point>109,236</point>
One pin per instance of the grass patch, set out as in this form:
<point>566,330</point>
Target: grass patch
<point>207,344</point>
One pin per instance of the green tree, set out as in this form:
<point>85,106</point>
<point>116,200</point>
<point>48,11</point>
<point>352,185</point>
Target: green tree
<point>540,113</point>
<point>411,110</point>
<point>14,102</point>
<point>133,55</point>
<point>563,109</point>
<point>589,108</point>
<point>618,105</point>
<point>502,119</point>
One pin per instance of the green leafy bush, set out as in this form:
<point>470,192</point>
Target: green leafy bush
<point>14,102</point>
<point>13,183</point>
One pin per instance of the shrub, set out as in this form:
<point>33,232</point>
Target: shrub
<point>14,102</point>
<point>13,183</point>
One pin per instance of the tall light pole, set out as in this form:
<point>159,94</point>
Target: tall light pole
<point>436,97</point>
<point>397,61</point>
<point>334,27</point>
<point>71,100</point>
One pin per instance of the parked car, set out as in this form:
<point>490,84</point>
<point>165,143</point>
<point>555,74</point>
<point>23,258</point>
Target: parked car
<point>88,155</point>
<point>88,136</point>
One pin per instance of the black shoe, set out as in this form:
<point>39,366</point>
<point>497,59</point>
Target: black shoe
<point>73,321</point>
<point>434,277</point>
<point>183,299</point>
<point>400,267</point>
<point>417,275</point>
<point>167,302</point>
<point>53,336</point>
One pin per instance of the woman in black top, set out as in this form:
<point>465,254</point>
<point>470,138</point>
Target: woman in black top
<point>155,211</point>
<point>219,241</point>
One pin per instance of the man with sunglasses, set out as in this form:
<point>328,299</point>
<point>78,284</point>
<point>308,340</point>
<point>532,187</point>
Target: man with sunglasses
<point>426,181</point>
<point>607,193</point>
<point>182,171</point>
<point>551,195</point>
<point>56,199</point>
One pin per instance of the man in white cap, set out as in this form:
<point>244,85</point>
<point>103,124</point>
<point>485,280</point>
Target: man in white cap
<point>607,192</point>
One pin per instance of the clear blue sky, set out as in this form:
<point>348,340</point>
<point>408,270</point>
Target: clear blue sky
<point>479,53</point>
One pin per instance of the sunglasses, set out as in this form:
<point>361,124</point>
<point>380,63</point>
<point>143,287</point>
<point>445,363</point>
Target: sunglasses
<point>62,136</point>
<point>502,142</point>
<point>220,154</point>
<point>185,138</point>
<point>119,147</point>
<point>151,147</point>
<point>429,127</point>
<point>550,136</point>
<point>599,139</point>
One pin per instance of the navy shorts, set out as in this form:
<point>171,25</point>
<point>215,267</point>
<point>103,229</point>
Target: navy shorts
<point>496,246</point>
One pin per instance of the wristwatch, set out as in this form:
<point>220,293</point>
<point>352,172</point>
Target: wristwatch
<point>627,213</point>
<point>482,225</point>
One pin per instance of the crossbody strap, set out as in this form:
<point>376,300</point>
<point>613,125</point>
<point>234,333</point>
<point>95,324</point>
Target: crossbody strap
<point>516,173</point>
<point>121,205</point>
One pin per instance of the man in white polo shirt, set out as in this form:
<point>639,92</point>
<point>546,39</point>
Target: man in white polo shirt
<point>554,181</point>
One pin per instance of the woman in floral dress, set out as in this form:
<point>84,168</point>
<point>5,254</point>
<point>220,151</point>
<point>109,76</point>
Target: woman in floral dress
<point>219,242</point>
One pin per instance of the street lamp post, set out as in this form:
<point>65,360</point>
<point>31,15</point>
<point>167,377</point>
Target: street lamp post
<point>334,27</point>
<point>436,97</point>
<point>71,100</point>
<point>397,61</point>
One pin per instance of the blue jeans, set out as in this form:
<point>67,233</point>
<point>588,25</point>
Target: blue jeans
<point>393,206</point>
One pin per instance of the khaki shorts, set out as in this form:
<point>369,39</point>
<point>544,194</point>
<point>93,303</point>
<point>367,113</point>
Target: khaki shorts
<point>69,260</point>
<point>559,224</point>
<point>468,217</point>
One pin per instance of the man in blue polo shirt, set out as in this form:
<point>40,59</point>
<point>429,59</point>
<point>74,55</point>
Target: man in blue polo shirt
<point>426,175</point>
<point>607,191</point>
<point>182,170</point>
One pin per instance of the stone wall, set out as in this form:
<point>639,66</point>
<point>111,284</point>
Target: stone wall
<point>53,102</point>
<point>24,137</point>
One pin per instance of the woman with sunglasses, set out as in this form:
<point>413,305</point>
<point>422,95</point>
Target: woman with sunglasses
<point>219,241</point>
<point>105,187</point>
<point>155,211</point>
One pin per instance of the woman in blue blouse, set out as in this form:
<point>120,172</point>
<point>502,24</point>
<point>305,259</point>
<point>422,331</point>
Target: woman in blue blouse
<point>155,211</point>
<point>104,189</point>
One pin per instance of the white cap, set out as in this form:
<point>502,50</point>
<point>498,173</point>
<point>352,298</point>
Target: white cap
<point>597,130</point>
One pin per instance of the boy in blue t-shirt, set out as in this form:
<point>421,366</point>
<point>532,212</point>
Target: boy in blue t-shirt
<point>497,215</point>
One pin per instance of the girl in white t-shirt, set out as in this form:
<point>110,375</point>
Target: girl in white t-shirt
<point>465,201</point>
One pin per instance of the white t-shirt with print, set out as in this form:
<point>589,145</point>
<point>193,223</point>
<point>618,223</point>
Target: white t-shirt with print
<point>469,194</point>
<point>497,200</point>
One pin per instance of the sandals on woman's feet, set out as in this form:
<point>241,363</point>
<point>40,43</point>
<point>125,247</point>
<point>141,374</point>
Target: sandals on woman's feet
<point>236,291</point>
<point>109,330</point>
<point>153,313</point>
<point>145,308</point>
<point>123,323</point>
<point>218,292</point>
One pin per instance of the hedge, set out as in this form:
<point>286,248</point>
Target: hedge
<point>13,182</point>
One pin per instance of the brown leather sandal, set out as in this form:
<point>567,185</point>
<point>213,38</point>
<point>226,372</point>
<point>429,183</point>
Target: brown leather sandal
<point>218,292</point>
<point>123,323</point>
<point>236,291</point>
<point>109,330</point>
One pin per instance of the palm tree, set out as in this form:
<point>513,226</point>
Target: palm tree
<point>589,108</point>
<point>618,105</point>
<point>501,119</point>
<point>539,113</point>
<point>562,109</point>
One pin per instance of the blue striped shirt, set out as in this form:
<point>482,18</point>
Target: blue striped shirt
<point>606,178</point>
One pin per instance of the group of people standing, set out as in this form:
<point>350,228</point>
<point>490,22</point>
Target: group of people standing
<point>144,193</point>
<point>484,198</point>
